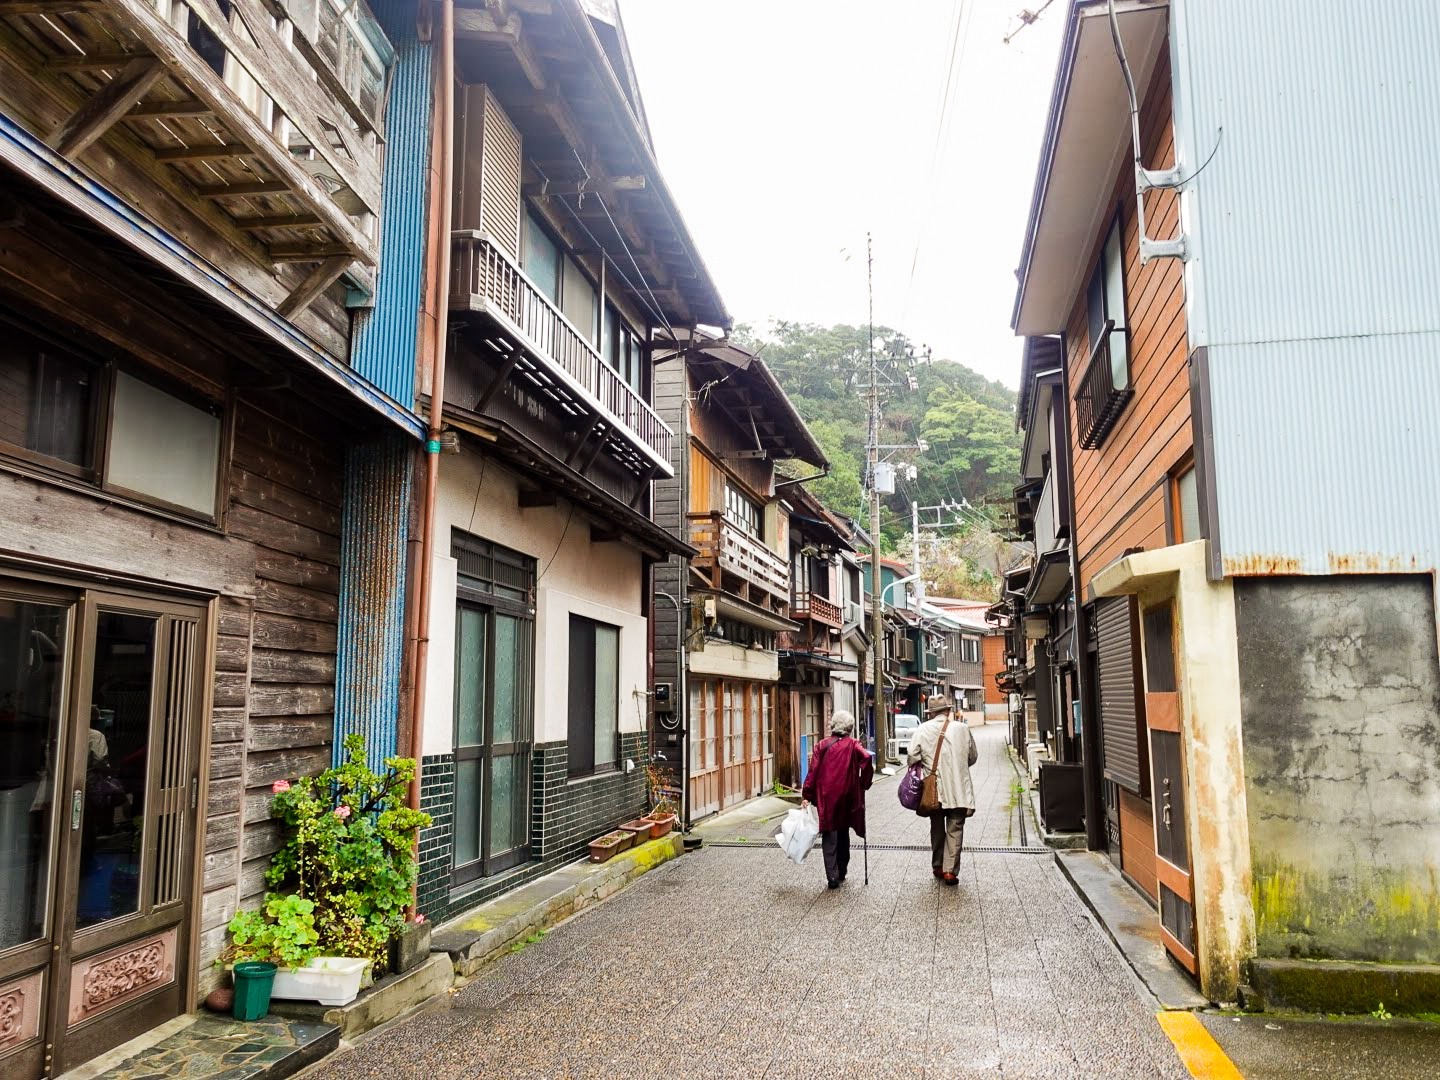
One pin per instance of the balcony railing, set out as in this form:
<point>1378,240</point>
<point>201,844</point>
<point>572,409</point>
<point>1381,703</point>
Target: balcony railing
<point>726,547</point>
<point>1101,396</point>
<point>485,278</point>
<point>808,605</point>
<point>272,112</point>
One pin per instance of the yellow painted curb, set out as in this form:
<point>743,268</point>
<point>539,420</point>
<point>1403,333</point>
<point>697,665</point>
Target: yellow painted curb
<point>1198,1050</point>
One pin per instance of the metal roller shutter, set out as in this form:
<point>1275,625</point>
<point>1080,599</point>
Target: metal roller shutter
<point>1122,715</point>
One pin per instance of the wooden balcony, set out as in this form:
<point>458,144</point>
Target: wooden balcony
<point>539,345</point>
<point>816,608</point>
<point>727,549</point>
<point>268,110</point>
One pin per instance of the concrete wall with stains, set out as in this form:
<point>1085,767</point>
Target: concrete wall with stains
<point>1340,700</point>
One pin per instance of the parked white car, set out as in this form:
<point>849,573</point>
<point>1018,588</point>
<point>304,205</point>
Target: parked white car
<point>905,726</point>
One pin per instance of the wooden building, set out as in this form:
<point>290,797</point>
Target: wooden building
<point>733,423</point>
<point>188,205</point>
<point>811,656</point>
<point>569,260</point>
<point>1250,631</point>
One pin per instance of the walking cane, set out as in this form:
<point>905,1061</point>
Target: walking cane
<point>867,858</point>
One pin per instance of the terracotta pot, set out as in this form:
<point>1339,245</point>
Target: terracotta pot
<point>660,824</point>
<point>610,845</point>
<point>639,829</point>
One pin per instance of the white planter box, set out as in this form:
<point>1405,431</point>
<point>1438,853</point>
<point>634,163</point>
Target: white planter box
<point>330,980</point>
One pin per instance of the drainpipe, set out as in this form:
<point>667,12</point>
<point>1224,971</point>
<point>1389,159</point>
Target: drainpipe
<point>443,154</point>
<point>682,705</point>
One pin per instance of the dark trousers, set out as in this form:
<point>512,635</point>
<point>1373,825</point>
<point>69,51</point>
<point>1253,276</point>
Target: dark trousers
<point>947,836</point>
<point>836,846</point>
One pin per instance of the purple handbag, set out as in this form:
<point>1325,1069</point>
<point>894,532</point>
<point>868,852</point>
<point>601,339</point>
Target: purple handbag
<point>912,784</point>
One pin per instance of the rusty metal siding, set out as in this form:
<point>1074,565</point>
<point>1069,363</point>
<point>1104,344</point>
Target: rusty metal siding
<point>1315,243</point>
<point>369,654</point>
<point>385,335</point>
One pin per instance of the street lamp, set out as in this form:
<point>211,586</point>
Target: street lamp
<point>897,581</point>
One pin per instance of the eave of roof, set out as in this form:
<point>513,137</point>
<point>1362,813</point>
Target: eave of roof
<point>1087,135</point>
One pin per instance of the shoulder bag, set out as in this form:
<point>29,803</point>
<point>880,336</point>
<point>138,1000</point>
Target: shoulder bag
<point>930,790</point>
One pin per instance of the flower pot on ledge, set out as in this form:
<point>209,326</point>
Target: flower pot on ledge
<point>330,980</point>
<point>660,824</point>
<point>610,845</point>
<point>639,830</point>
<point>410,947</point>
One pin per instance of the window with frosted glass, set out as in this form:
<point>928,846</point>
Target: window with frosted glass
<point>162,447</point>
<point>541,259</point>
<point>578,300</point>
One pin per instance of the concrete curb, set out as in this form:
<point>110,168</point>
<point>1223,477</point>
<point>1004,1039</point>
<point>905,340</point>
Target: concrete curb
<point>475,938</point>
<point>1131,927</point>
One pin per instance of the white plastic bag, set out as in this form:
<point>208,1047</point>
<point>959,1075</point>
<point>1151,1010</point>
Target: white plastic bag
<point>798,833</point>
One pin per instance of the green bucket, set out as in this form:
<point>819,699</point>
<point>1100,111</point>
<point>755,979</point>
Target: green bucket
<point>253,980</point>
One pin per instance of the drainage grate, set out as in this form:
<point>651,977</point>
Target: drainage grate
<point>766,845</point>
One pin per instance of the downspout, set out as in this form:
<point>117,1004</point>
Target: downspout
<point>682,706</point>
<point>444,152</point>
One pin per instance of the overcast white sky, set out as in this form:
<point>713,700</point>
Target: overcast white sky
<point>788,128</point>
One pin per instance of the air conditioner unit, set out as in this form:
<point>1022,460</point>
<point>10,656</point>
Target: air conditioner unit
<point>854,613</point>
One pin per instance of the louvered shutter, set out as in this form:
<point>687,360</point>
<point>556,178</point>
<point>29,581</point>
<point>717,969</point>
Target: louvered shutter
<point>487,149</point>
<point>1122,716</point>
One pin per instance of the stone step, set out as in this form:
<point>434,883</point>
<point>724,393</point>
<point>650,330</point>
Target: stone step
<point>391,996</point>
<point>203,1046</point>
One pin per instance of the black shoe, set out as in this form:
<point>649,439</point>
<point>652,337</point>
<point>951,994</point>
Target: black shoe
<point>834,884</point>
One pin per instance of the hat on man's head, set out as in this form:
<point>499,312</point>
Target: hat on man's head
<point>939,706</point>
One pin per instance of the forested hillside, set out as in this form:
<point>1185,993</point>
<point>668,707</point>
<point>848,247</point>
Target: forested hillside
<point>967,421</point>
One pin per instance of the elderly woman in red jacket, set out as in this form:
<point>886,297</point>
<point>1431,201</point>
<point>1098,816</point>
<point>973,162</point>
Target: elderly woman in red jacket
<point>839,775</point>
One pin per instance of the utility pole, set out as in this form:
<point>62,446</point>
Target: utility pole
<point>915,548</point>
<point>878,714</point>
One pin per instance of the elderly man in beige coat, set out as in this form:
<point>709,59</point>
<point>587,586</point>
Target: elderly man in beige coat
<point>952,779</point>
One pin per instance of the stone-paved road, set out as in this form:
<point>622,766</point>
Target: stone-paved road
<point>734,963</point>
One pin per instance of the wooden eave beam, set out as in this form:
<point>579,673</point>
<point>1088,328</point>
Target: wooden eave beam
<point>473,24</point>
<point>161,110</point>
<point>106,106</point>
<point>47,7</point>
<point>314,283</point>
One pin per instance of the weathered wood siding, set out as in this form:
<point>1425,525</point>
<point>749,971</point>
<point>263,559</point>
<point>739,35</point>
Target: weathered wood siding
<point>1121,487</point>
<point>271,563</point>
<point>275,654</point>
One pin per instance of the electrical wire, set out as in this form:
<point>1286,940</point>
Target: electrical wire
<point>563,533</point>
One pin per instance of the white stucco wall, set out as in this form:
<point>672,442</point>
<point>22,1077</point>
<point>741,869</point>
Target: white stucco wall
<point>599,581</point>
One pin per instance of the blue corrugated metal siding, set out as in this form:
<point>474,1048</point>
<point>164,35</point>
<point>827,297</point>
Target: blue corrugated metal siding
<point>1315,234</point>
<point>385,336</point>
<point>373,531</point>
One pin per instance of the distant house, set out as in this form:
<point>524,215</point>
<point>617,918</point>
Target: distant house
<point>721,659</point>
<point>1230,614</point>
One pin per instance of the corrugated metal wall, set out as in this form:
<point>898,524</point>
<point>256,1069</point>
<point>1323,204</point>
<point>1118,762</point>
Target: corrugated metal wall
<point>1315,237</point>
<point>385,335</point>
<point>370,652</point>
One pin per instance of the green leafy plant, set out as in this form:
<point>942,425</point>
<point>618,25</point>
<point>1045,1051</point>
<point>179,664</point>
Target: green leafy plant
<point>1381,1013</point>
<point>347,858</point>
<point>282,933</point>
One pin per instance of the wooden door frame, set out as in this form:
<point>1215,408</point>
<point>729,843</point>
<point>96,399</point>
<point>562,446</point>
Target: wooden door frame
<point>71,767</point>
<point>1163,714</point>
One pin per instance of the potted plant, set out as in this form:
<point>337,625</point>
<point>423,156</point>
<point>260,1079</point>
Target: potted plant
<point>662,798</point>
<point>342,878</point>
<point>609,845</point>
<point>639,830</point>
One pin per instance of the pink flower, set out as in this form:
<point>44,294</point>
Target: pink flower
<point>419,919</point>
<point>342,812</point>
<point>280,785</point>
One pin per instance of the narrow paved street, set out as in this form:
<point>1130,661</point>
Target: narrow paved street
<point>733,962</point>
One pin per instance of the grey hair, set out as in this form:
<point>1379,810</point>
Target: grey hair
<point>842,723</point>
